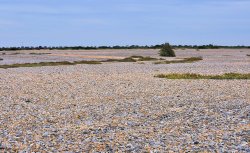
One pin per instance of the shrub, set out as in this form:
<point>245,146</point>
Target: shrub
<point>167,51</point>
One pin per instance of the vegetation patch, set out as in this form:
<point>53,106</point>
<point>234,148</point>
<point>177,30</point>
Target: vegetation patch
<point>248,54</point>
<point>199,76</point>
<point>133,59</point>
<point>14,53</point>
<point>87,62</point>
<point>39,53</point>
<point>185,60</point>
<point>167,51</point>
<point>147,58</point>
<point>1,59</point>
<point>127,59</point>
<point>48,64</point>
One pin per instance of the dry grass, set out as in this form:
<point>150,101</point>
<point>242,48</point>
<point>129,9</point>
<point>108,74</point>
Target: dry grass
<point>147,58</point>
<point>133,59</point>
<point>127,59</point>
<point>198,76</point>
<point>15,53</point>
<point>39,53</point>
<point>48,64</point>
<point>185,60</point>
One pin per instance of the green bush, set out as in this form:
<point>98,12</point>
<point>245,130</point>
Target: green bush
<point>167,51</point>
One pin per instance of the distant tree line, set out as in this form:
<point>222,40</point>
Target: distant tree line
<point>210,46</point>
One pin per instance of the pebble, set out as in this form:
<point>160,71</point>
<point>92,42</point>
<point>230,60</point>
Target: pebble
<point>122,107</point>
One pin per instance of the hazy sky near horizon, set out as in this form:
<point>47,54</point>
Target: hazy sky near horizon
<point>123,22</point>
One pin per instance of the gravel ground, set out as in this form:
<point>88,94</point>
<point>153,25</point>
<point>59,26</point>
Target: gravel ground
<point>122,107</point>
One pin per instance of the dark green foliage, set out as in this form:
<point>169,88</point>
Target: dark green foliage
<point>167,51</point>
<point>198,76</point>
<point>210,46</point>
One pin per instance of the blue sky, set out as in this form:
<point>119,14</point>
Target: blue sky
<point>123,22</point>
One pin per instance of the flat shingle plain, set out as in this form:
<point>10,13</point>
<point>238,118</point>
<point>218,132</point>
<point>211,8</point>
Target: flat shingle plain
<point>122,107</point>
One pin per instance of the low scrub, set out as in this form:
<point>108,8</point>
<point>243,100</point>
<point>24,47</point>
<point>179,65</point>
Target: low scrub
<point>147,58</point>
<point>48,64</point>
<point>133,59</point>
<point>127,59</point>
<point>185,60</point>
<point>39,53</point>
<point>14,53</point>
<point>87,62</point>
<point>199,76</point>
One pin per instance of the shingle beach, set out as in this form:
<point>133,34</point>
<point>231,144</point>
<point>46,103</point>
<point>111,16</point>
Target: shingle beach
<point>122,107</point>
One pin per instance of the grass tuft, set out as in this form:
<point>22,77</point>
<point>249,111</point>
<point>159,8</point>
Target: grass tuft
<point>199,76</point>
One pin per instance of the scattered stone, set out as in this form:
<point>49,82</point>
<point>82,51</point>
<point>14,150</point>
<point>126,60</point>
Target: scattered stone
<point>122,107</point>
